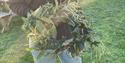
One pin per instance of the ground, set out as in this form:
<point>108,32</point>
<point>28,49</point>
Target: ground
<point>107,19</point>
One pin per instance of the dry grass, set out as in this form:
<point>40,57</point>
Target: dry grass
<point>86,2</point>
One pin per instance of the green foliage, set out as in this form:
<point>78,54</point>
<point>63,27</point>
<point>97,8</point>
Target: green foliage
<point>42,28</point>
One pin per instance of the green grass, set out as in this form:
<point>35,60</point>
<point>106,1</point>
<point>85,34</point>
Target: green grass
<point>107,18</point>
<point>13,45</point>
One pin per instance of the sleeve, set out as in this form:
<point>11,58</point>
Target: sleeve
<point>20,7</point>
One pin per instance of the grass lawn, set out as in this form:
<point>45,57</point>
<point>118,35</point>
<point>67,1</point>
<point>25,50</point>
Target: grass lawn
<point>107,19</point>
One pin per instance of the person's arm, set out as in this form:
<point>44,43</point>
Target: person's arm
<point>20,9</point>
